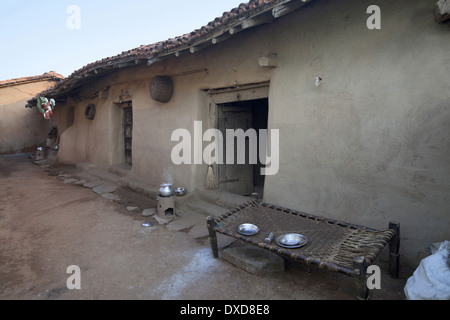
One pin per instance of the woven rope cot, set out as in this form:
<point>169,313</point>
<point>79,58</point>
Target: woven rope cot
<point>333,245</point>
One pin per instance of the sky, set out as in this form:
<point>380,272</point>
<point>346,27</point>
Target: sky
<point>63,36</point>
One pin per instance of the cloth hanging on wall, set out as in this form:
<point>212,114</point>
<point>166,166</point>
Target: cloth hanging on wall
<point>46,107</point>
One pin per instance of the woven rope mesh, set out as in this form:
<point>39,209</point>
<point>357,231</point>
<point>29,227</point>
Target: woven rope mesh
<point>328,241</point>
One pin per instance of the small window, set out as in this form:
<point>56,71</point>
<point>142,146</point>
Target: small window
<point>90,112</point>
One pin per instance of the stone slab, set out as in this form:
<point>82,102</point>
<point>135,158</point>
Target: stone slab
<point>70,181</point>
<point>104,188</point>
<point>149,212</point>
<point>92,184</point>
<point>199,232</point>
<point>80,183</point>
<point>110,196</point>
<point>162,220</point>
<point>181,224</point>
<point>53,173</point>
<point>255,260</point>
<point>224,241</point>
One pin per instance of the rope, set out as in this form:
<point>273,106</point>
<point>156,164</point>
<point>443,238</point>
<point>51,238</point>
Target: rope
<point>330,242</point>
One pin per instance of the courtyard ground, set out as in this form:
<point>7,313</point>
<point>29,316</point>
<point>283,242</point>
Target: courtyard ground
<point>48,224</point>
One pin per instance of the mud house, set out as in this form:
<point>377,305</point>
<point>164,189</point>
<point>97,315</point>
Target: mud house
<point>21,129</point>
<point>362,110</point>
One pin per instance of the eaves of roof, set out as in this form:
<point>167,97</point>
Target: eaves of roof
<point>246,16</point>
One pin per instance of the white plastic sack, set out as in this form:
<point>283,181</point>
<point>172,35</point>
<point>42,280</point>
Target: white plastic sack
<point>431,280</point>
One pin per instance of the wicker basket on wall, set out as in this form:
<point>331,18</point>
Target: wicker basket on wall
<point>161,88</point>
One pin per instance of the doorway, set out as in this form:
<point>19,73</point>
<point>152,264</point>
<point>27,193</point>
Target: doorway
<point>243,179</point>
<point>128,133</point>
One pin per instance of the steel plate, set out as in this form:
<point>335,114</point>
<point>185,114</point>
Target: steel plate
<point>292,240</point>
<point>248,229</point>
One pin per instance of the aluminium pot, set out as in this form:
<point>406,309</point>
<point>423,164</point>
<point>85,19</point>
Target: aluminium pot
<point>166,190</point>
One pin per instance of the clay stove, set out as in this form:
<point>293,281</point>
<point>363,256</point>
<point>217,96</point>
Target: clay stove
<point>165,203</point>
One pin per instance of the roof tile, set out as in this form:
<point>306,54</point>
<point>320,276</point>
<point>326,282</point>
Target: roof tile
<point>52,75</point>
<point>205,33</point>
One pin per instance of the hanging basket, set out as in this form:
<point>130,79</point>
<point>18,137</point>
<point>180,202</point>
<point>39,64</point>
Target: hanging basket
<point>161,88</point>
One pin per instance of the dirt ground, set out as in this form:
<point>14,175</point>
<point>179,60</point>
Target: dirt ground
<point>47,226</point>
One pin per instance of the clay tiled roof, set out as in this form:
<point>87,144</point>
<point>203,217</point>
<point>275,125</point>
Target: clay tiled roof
<point>243,17</point>
<point>48,76</point>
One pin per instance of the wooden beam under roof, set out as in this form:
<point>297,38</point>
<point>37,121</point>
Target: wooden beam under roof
<point>286,7</point>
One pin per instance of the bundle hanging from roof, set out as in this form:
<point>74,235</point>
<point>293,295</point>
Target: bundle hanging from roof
<point>45,107</point>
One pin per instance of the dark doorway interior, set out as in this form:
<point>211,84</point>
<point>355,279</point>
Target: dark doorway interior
<point>128,133</point>
<point>245,178</point>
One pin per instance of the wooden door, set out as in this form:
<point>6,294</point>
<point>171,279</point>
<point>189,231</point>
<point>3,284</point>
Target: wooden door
<point>128,134</point>
<point>235,178</point>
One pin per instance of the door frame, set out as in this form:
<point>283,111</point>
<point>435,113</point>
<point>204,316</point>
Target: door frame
<point>119,134</point>
<point>217,97</point>
<point>125,125</point>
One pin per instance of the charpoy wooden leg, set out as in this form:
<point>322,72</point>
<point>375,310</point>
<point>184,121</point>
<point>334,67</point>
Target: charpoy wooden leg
<point>360,268</point>
<point>394,249</point>
<point>212,237</point>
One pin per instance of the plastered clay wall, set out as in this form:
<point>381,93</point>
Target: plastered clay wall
<point>371,144</point>
<point>21,128</point>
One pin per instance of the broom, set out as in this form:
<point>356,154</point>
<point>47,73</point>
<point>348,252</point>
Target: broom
<point>210,178</point>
